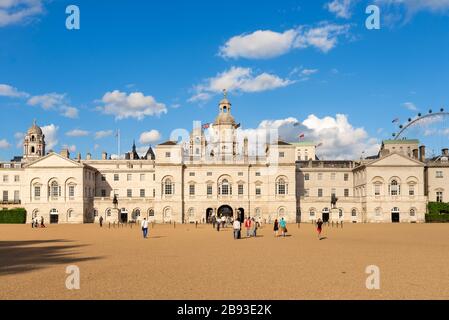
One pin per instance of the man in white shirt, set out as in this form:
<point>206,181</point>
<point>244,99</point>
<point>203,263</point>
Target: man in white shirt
<point>236,227</point>
<point>145,228</point>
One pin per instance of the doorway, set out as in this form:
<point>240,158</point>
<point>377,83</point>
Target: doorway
<point>395,215</point>
<point>326,215</point>
<point>209,213</point>
<point>123,216</point>
<point>225,211</point>
<point>241,215</point>
<point>54,216</point>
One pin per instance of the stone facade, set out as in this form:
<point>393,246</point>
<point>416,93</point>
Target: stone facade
<point>220,171</point>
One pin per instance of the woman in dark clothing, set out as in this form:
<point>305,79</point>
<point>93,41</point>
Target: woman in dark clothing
<point>319,227</point>
<point>276,228</point>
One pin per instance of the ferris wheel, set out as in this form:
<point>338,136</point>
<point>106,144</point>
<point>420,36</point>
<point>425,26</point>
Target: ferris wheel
<point>431,129</point>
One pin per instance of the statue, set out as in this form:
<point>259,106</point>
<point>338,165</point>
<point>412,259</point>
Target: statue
<point>115,201</point>
<point>334,200</point>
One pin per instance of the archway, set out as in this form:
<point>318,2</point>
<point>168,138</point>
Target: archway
<point>209,214</point>
<point>225,211</point>
<point>54,216</point>
<point>167,216</point>
<point>326,214</point>
<point>395,215</point>
<point>241,214</point>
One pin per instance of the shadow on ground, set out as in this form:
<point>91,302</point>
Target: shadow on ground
<point>25,256</point>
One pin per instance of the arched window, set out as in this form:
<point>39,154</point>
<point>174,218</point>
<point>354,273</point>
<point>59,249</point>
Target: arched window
<point>281,212</point>
<point>108,212</point>
<point>312,213</point>
<point>340,213</point>
<point>378,212</point>
<point>281,187</point>
<point>412,212</point>
<point>168,187</point>
<point>354,212</point>
<point>136,214</point>
<point>151,213</point>
<point>33,139</point>
<point>55,190</point>
<point>224,188</point>
<point>69,214</point>
<point>32,149</point>
<point>395,189</point>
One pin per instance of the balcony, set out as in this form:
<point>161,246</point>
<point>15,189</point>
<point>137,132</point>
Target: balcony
<point>11,202</point>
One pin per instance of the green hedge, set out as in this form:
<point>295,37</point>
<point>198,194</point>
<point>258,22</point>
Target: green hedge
<point>438,208</point>
<point>13,216</point>
<point>437,218</point>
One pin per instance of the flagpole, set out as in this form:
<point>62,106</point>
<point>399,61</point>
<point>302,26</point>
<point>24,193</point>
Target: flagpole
<point>118,143</point>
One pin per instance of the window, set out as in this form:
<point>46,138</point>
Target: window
<point>108,212</point>
<point>151,213</point>
<point>5,196</point>
<point>281,187</point>
<point>129,177</point>
<point>168,155</point>
<point>192,189</point>
<point>258,191</point>
<point>346,177</point>
<point>320,176</point>
<point>320,193</point>
<point>306,193</point>
<point>333,176</point>
<point>209,189</point>
<point>116,177</point>
<point>354,212</point>
<point>192,174</point>
<point>412,212</point>
<point>240,189</point>
<point>5,178</point>
<point>307,177</point>
<point>142,177</point>
<point>439,174</point>
<point>333,192</point>
<point>71,191</point>
<point>378,212</point>
<point>312,213</point>
<point>281,154</point>
<point>16,178</point>
<point>411,189</point>
<point>240,174</point>
<point>129,193</point>
<point>209,174</point>
<point>37,193</point>
<point>306,158</point>
<point>103,193</point>
<point>54,190</point>
<point>168,187</point>
<point>142,193</point>
<point>258,174</point>
<point>346,193</point>
<point>439,196</point>
<point>395,188</point>
<point>103,177</point>
<point>154,193</point>
<point>225,188</point>
<point>377,189</point>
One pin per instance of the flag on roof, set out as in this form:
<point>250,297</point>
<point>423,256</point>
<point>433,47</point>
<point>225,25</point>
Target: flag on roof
<point>206,126</point>
<point>302,136</point>
<point>319,144</point>
<point>238,126</point>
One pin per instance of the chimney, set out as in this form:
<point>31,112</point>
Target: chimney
<point>422,153</point>
<point>445,152</point>
<point>78,157</point>
<point>415,154</point>
<point>88,156</point>
<point>104,156</point>
<point>65,153</point>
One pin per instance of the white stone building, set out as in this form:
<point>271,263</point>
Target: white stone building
<point>221,171</point>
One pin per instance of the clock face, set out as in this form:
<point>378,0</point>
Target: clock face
<point>197,140</point>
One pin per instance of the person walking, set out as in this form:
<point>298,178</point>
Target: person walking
<point>237,227</point>
<point>276,228</point>
<point>283,226</point>
<point>223,222</point>
<point>101,221</point>
<point>42,222</point>
<point>145,228</point>
<point>214,220</point>
<point>218,224</point>
<point>254,228</point>
<point>319,227</point>
<point>248,227</point>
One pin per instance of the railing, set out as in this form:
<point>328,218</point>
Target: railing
<point>11,202</point>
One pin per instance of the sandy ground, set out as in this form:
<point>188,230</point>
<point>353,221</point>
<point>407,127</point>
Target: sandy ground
<point>188,263</point>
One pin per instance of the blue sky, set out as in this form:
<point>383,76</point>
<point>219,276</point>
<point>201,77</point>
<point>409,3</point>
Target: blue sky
<point>148,67</point>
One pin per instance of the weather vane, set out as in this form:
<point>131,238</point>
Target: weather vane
<point>225,93</point>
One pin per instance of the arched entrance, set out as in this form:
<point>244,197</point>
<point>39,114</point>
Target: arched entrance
<point>241,214</point>
<point>54,216</point>
<point>167,215</point>
<point>225,211</point>
<point>123,215</point>
<point>326,214</point>
<point>395,215</point>
<point>209,214</point>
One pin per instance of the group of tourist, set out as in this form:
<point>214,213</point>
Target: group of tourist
<point>35,222</point>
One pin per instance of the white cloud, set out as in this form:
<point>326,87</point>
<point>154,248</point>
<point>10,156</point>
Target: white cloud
<point>410,106</point>
<point>16,11</point>
<point>71,148</point>
<point>69,112</point>
<point>265,44</point>
<point>239,80</point>
<point>341,8</point>
<point>261,44</point>
<point>47,101</point>
<point>135,105</point>
<point>419,5</point>
<point>4,144</point>
<point>9,91</point>
<point>340,139</point>
<point>103,134</point>
<point>51,136</point>
<point>309,72</point>
<point>150,137</point>
<point>19,136</point>
<point>77,133</point>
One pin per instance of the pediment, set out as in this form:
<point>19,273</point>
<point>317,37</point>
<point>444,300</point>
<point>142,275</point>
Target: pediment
<point>54,160</point>
<point>394,160</point>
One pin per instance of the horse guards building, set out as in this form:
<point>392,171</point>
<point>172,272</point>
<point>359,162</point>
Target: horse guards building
<point>218,172</point>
